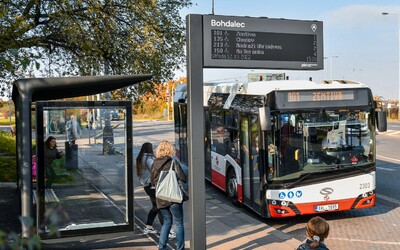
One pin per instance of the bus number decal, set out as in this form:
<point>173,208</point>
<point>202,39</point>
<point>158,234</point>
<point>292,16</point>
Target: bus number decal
<point>365,185</point>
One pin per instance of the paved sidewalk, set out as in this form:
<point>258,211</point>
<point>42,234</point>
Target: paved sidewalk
<point>226,226</point>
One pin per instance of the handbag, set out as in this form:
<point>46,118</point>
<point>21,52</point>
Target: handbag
<point>167,187</point>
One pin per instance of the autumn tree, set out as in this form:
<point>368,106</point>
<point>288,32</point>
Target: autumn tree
<point>91,37</point>
<point>152,103</point>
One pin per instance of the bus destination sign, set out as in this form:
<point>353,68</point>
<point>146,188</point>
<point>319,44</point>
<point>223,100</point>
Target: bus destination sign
<point>320,96</point>
<point>243,42</point>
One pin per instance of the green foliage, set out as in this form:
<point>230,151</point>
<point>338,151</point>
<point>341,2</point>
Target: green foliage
<point>5,110</point>
<point>16,242</point>
<point>63,175</point>
<point>8,163</point>
<point>7,143</point>
<point>75,37</point>
<point>8,171</point>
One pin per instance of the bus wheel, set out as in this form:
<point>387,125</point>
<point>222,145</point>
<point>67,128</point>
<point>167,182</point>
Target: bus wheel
<point>232,187</point>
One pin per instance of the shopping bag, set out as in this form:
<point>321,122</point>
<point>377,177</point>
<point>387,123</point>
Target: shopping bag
<point>167,187</point>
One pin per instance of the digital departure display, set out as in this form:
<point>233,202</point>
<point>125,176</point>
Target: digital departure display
<point>320,96</point>
<point>247,42</point>
<point>268,46</point>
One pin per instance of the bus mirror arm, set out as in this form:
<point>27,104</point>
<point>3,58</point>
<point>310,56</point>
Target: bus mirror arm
<point>265,118</point>
<point>381,121</point>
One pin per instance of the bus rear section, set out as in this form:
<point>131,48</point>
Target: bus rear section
<point>316,155</point>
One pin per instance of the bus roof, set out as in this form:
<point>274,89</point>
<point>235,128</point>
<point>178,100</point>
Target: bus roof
<point>265,87</point>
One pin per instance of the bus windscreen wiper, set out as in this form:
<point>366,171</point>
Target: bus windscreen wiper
<point>289,185</point>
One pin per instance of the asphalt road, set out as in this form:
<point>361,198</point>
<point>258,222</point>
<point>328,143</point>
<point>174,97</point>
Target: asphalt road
<point>373,228</point>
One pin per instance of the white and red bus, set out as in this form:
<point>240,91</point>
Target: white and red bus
<point>286,148</point>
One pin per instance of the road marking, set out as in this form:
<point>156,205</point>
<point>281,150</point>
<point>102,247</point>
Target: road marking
<point>387,169</point>
<point>380,157</point>
<point>390,132</point>
<point>387,198</point>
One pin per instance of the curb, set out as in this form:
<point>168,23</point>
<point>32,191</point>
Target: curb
<point>8,184</point>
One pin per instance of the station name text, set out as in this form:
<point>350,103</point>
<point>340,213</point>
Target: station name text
<point>228,23</point>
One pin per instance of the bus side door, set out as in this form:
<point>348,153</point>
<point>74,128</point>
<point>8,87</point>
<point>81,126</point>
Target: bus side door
<point>250,161</point>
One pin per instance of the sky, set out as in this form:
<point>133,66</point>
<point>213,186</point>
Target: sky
<point>360,43</point>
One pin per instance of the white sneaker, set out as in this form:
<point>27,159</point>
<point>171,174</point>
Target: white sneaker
<point>172,234</point>
<point>147,230</point>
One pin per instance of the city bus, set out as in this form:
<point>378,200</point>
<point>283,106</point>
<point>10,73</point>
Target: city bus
<point>288,147</point>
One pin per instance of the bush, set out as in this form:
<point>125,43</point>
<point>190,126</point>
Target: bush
<point>8,169</point>
<point>7,144</point>
<point>8,162</point>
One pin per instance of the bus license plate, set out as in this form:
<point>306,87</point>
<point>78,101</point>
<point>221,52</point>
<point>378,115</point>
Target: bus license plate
<point>329,207</point>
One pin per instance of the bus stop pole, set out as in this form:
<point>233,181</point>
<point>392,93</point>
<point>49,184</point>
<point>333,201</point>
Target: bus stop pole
<point>24,145</point>
<point>194,49</point>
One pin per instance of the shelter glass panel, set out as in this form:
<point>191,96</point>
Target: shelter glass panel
<point>84,156</point>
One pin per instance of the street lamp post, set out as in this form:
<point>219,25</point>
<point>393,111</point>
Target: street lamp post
<point>330,64</point>
<point>398,28</point>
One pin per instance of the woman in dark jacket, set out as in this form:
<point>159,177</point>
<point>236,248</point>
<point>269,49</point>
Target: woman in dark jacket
<point>50,154</point>
<point>170,211</point>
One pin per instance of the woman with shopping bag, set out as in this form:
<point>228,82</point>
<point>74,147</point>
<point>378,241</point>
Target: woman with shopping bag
<point>165,174</point>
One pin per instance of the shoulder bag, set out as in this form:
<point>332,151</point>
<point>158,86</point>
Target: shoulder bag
<point>168,187</point>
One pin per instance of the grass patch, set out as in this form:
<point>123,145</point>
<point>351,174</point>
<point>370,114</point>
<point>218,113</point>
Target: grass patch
<point>158,117</point>
<point>6,121</point>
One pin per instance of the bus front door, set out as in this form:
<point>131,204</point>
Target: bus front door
<point>249,131</point>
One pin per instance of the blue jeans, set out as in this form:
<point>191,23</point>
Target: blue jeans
<point>175,213</point>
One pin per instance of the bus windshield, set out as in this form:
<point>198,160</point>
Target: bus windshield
<point>315,142</point>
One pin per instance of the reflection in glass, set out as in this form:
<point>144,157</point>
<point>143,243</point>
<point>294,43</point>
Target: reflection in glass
<point>88,188</point>
<point>315,142</point>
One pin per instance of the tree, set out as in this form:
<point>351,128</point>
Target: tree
<point>92,37</point>
<point>152,103</point>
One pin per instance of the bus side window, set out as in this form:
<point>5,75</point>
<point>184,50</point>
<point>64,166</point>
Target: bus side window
<point>234,143</point>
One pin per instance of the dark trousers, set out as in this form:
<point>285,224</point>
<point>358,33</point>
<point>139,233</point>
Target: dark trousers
<point>154,210</point>
<point>50,175</point>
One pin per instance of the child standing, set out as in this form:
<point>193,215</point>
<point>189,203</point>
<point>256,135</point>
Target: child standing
<point>317,230</point>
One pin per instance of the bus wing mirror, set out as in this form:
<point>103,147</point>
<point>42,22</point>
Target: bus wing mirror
<point>381,121</point>
<point>265,118</point>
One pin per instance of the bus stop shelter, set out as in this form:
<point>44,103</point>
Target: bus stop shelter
<point>27,92</point>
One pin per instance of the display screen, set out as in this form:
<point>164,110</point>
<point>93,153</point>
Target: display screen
<point>245,45</point>
<point>320,96</point>
<point>266,43</point>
